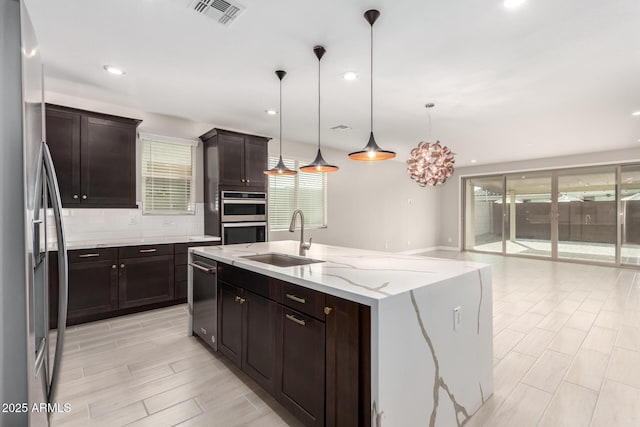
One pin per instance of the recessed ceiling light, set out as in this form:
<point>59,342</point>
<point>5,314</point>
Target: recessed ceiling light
<point>473,161</point>
<point>510,4</point>
<point>271,112</point>
<point>113,70</point>
<point>636,113</point>
<point>350,75</point>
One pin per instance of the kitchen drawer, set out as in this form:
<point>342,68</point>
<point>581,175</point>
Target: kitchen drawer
<point>241,278</point>
<point>144,251</point>
<point>183,248</point>
<point>92,255</point>
<point>303,299</point>
<point>181,273</point>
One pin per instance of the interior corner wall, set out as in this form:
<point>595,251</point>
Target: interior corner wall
<point>450,229</point>
<point>372,206</point>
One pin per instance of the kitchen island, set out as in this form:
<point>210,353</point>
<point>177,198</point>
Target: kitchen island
<point>431,361</point>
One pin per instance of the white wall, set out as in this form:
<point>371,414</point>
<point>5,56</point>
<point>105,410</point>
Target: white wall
<point>450,194</point>
<point>370,205</point>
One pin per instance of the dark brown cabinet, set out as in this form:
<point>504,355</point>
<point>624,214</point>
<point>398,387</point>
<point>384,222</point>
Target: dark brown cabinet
<point>232,161</point>
<point>95,157</point>
<point>300,365</point>
<point>310,350</point>
<point>146,275</point>
<point>93,282</point>
<point>246,324</point>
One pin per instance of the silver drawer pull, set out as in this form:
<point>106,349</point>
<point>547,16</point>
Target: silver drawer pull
<point>147,251</point>
<point>88,255</point>
<point>295,319</point>
<point>296,299</point>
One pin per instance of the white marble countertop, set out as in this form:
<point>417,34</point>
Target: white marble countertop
<point>354,274</point>
<point>133,241</point>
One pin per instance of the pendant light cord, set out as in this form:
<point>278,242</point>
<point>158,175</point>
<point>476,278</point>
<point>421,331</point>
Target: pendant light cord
<point>280,118</point>
<point>319,59</point>
<point>371,68</point>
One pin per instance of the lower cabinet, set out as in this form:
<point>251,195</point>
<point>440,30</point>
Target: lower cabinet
<point>146,280</point>
<point>101,296</point>
<point>246,332</point>
<point>300,365</point>
<point>310,350</point>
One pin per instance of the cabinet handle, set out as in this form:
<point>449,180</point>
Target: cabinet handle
<point>242,300</point>
<point>114,266</point>
<point>84,197</point>
<point>248,181</point>
<point>328,310</point>
<point>88,255</point>
<point>295,319</point>
<point>296,299</point>
<point>121,265</point>
<point>146,251</point>
<point>243,180</point>
<point>238,298</point>
<point>75,196</point>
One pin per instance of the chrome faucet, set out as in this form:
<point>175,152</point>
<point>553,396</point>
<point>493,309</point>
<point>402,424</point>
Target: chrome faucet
<point>303,245</point>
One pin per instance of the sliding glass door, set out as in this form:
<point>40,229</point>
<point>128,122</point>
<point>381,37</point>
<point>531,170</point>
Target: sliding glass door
<point>528,214</point>
<point>569,214</point>
<point>483,219</point>
<point>630,214</point>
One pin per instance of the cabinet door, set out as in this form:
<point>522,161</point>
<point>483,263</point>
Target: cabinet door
<point>259,340</point>
<point>348,368</point>
<point>300,368</point>
<point>108,163</point>
<point>231,150</point>
<point>146,280</point>
<point>63,137</point>
<point>93,288</point>
<point>255,161</point>
<point>230,322</point>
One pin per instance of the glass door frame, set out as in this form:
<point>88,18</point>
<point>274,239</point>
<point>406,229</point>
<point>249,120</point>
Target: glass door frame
<point>555,174</point>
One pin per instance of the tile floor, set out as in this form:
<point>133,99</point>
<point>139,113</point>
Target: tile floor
<point>566,353</point>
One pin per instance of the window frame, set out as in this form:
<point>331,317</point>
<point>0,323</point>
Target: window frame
<point>296,165</point>
<point>193,144</point>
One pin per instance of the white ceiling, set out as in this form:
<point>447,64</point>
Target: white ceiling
<point>549,78</point>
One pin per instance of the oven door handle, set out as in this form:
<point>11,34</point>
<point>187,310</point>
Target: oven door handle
<point>243,224</point>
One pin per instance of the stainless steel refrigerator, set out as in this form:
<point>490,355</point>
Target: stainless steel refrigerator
<point>30,211</point>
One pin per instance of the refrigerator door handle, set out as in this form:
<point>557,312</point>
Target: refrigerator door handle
<point>63,272</point>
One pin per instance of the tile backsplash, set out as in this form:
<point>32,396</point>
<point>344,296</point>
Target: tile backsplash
<point>96,224</point>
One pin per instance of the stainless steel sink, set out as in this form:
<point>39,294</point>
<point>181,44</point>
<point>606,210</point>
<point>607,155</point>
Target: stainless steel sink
<point>281,260</point>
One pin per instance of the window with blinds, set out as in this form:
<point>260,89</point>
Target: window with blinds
<point>306,191</point>
<point>168,175</point>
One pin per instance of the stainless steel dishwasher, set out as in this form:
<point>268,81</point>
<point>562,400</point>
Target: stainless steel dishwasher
<point>203,299</point>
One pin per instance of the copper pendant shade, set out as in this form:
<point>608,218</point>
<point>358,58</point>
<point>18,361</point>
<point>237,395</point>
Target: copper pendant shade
<point>372,152</point>
<point>280,168</point>
<point>319,164</point>
<point>430,163</point>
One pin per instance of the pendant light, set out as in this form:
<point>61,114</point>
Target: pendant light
<point>319,164</point>
<point>372,152</point>
<point>280,168</point>
<point>430,163</point>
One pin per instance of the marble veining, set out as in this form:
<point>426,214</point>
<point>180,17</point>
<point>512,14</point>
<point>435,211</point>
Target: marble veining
<point>438,380</point>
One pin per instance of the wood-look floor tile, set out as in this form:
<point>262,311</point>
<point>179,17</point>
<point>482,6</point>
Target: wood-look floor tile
<point>548,371</point>
<point>582,320</point>
<point>572,406</point>
<point>505,341</point>
<point>170,416</point>
<point>535,342</point>
<point>625,367</point>
<point>618,406</point>
<point>600,339</point>
<point>554,321</point>
<point>568,341</point>
<point>588,369</point>
<point>629,337</point>
<point>523,408</point>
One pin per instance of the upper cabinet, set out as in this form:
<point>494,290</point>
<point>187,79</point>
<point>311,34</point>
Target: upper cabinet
<point>241,159</point>
<point>95,157</point>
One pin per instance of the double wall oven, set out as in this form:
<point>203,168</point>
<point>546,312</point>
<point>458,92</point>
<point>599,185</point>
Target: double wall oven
<point>243,217</point>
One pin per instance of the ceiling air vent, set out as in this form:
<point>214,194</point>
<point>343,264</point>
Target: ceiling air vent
<point>225,12</point>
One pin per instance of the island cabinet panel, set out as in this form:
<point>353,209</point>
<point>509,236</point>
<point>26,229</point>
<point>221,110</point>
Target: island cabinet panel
<point>259,339</point>
<point>146,280</point>
<point>300,366</point>
<point>230,322</point>
<point>95,157</point>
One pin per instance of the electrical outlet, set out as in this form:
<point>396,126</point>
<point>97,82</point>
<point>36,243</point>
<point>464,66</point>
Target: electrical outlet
<point>457,318</point>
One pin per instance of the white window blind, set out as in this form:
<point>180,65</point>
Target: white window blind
<point>306,191</point>
<point>168,175</point>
